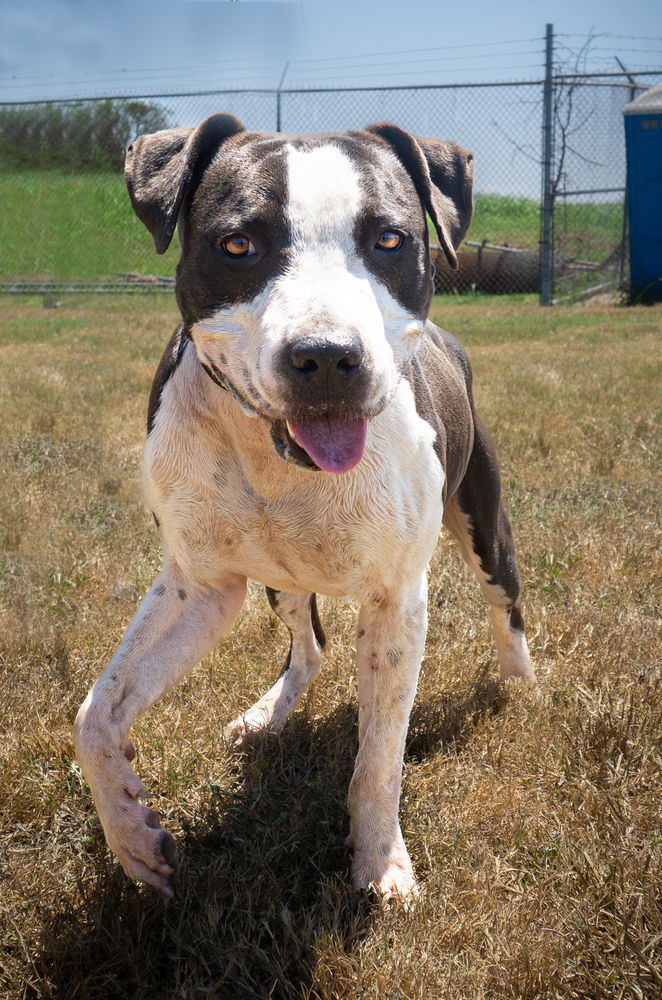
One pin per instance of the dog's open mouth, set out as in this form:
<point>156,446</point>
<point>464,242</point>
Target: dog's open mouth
<point>334,443</point>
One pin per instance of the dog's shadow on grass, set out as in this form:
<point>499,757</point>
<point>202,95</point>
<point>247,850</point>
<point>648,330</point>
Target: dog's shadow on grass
<point>264,882</point>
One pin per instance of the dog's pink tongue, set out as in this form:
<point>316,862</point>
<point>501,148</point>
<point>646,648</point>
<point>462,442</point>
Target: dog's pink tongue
<point>335,444</point>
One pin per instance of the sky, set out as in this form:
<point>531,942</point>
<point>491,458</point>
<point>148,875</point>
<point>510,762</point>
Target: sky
<point>73,48</point>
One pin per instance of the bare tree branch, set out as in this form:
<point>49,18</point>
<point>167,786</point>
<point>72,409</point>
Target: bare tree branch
<point>564,109</point>
<point>517,146</point>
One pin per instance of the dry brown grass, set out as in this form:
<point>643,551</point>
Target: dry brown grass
<point>533,819</point>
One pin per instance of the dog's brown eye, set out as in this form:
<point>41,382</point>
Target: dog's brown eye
<point>238,245</point>
<point>389,241</point>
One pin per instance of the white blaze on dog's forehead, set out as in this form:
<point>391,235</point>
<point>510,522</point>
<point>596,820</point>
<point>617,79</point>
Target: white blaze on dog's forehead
<point>324,192</point>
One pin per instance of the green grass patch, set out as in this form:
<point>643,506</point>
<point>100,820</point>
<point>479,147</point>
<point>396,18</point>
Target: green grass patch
<point>57,225</point>
<point>503,220</point>
<point>588,230</point>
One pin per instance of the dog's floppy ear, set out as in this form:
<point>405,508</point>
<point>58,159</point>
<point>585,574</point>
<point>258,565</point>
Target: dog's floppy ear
<point>161,166</point>
<point>442,173</point>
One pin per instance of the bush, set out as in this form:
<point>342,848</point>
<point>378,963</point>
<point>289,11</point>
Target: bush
<point>82,136</point>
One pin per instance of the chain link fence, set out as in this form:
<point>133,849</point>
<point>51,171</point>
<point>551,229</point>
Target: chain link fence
<point>67,222</point>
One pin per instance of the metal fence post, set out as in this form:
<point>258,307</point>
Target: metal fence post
<point>278,97</point>
<point>547,208</point>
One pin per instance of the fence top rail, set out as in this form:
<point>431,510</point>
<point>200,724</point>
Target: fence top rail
<point>213,92</point>
<point>137,97</point>
<point>562,77</point>
<point>413,86</point>
<point>489,83</point>
<point>274,91</point>
<point>612,84</point>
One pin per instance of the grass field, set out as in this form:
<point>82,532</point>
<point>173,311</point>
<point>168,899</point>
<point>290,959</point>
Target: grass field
<point>55,225</point>
<point>58,225</point>
<point>533,819</point>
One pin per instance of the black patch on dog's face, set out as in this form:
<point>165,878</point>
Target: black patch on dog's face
<point>242,192</point>
<point>391,204</point>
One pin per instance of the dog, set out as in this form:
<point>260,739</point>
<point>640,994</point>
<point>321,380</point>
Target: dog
<point>310,429</point>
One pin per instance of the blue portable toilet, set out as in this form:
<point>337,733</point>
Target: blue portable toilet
<point>643,143</point>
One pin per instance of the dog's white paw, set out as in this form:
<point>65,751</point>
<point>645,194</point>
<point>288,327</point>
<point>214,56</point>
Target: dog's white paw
<point>390,877</point>
<point>241,731</point>
<point>146,852</point>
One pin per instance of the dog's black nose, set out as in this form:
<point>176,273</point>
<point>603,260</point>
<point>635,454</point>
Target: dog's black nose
<point>323,360</point>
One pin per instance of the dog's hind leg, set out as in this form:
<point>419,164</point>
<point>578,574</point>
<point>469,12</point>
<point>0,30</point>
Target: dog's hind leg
<point>177,623</point>
<point>476,518</point>
<point>299,613</point>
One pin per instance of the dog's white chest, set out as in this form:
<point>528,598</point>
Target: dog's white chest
<point>243,510</point>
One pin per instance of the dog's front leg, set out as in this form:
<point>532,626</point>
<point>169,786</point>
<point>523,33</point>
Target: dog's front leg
<point>391,637</point>
<point>176,625</point>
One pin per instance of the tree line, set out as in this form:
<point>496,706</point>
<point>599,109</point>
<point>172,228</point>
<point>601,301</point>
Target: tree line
<point>78,136</point>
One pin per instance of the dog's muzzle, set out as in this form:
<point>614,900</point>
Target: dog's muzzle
<point>328,382</point>
<point>331,440</point>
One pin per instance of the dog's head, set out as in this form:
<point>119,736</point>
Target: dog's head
<point>304,279</point>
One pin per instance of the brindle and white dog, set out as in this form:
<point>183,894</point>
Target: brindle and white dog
<point>308,428</point>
